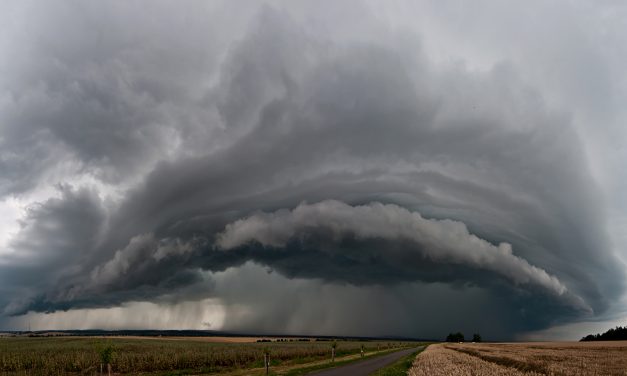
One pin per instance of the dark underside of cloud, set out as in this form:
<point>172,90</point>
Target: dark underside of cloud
<point>348,161</point>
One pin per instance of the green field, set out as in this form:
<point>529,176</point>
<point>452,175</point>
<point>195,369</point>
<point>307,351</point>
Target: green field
<point>81,355</point>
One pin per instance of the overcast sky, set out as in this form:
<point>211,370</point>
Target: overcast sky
<point>342,168</point>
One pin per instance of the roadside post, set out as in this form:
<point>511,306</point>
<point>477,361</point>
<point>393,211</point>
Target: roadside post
<point>266,359</point>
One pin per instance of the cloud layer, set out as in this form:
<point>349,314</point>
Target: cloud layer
<point>152,149</point>
<point>438,240</point>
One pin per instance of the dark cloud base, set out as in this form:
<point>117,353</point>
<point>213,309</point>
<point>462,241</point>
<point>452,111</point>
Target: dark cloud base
<point>206,125</point>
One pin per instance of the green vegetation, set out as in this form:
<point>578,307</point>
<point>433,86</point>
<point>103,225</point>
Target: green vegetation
<point>616,334</point>
<point>455,337</point>
<point>106,357</point>
<point>401,366</point>
<point>63,355</point>
<point>459,337</point>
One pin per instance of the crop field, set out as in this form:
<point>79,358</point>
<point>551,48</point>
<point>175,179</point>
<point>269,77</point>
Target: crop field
<point>83,355</point>
<point>546,358</point>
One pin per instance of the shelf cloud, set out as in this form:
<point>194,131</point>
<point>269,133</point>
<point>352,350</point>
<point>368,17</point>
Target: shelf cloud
<point>441,241</point>
<point>174,154</point>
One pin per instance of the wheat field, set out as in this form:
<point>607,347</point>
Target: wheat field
<point>546,358</point>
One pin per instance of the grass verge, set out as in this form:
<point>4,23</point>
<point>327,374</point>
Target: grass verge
<point>401,366</point>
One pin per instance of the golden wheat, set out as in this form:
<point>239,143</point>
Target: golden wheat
<point>546,358</point>
<point>438,360</point>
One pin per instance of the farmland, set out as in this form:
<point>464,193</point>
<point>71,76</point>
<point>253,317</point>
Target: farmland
<point>547,358</point>
<point>80,355</point>
<point>245,356</point>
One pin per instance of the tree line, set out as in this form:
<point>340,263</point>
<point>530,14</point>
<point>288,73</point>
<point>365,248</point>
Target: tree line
<point>616,334</point>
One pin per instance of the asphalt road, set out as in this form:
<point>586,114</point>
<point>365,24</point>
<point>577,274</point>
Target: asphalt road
<point>365,367</point>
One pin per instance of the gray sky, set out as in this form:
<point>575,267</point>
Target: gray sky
<point>360,168</point>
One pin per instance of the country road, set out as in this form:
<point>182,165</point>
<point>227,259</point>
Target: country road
<point>366,367</point>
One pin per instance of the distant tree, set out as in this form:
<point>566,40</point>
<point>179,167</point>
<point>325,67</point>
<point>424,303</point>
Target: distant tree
<point>455,337</point>
<point>476,337</point>
<point>591,337</point>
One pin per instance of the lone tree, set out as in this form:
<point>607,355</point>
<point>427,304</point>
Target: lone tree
<point>476,337</point>
<point>455,337</point>
<point>106,356</point>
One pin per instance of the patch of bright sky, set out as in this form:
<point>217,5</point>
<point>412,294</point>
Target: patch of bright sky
<point>11,210</point>
<point>205,314</point>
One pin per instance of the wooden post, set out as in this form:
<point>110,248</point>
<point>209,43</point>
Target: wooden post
<point>266,360</point>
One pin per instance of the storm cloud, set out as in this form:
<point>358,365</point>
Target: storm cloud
<point>438,240</point>
<point>164,155</point>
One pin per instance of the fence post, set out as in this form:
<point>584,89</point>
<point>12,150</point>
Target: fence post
<point>266,359</point>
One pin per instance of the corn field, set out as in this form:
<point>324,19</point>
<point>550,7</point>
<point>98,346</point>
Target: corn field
<point>56,356</point>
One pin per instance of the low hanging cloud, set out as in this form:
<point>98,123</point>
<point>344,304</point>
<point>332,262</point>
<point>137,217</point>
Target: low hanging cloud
<point>443,241</point>
<point>142,248</point>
